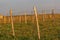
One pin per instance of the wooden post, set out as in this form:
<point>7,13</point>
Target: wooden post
<point>4,18</point>
<point>35,11</point>
<point>20,18</point>
<point>53,15</point>
<point>43,15</point>
<point>53,18</point>
<point>32,18</point>
<point>12,22</point>
<point>25,19</point>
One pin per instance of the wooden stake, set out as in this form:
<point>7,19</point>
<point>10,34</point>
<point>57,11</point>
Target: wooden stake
<point>20,18</point>
<point>4,18</point>
<point>33,19</point>
<point>35,11</point>
<point>52,14</point>
<point>43,15</point>
<point>25,19</point>
<point>12,22</point>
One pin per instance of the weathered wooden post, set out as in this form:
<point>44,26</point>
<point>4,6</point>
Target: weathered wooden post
<point>1,18</point>
<point>53,14</point>
<point>32,18</point>
<point>20,18</point>
<point>53,18</point>
<point>35,11</point>
<point>25,19</point>
<point>43,15</point>
<point>11,18</point>
<point>4,18</point>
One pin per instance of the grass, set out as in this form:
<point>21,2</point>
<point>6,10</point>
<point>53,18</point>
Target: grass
<point>50,30</point>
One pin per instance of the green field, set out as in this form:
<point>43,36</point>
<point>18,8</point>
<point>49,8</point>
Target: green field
<point>49,29</point>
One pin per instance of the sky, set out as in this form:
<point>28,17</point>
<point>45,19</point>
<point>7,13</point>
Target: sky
<point>20,6</point>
